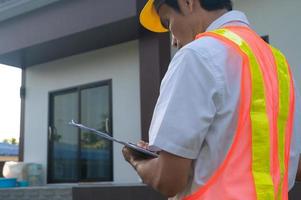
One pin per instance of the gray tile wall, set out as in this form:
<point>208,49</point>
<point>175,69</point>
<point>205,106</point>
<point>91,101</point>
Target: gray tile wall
<point>95,192</point>
<point>42,193</point>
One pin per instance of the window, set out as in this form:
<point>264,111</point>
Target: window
<point>75,155</point>
<point>266,38</point>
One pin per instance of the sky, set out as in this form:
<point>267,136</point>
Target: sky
<point>10,102</point>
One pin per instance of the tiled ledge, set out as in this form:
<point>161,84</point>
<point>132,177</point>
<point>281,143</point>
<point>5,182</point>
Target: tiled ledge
<point>37,193</point>
<point>81,191</point>
<point>95,191</point>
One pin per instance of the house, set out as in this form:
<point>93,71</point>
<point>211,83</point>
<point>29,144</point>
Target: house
<point>8,149</point>
<point>8,152</point>
<point>91,61</point>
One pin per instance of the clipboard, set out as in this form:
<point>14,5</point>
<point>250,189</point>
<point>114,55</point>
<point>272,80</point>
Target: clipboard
<point>139,151</point>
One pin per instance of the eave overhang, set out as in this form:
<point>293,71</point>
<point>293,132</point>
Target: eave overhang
<point>67,28</point>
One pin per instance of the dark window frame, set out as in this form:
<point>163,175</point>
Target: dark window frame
<point>78,89</point>
<point>266,38</point>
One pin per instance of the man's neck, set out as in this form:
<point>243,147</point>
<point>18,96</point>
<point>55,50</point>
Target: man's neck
<point>210,16</point>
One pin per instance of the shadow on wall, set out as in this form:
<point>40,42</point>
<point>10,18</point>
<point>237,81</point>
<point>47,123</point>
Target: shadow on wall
<point>295,193</point>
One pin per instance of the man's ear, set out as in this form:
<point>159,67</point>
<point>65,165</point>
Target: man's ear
<point>189,4</point>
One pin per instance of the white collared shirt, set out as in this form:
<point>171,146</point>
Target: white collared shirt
<point>196,113</point>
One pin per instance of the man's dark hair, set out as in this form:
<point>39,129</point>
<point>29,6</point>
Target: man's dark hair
<point>209,5</point>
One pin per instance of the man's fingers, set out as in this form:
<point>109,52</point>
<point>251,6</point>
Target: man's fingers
<point>142,144</point>
<point>130,157</point>
<point>127,154</point>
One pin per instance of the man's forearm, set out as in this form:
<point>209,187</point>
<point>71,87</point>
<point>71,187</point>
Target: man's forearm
<point>149,171</point>
<point>163,172</point>
<point>161,177</point>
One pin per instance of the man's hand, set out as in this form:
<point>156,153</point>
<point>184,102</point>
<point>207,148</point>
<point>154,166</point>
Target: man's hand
<point>131,156</point>
<point>161,173</point>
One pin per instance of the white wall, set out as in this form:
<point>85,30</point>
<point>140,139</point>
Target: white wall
<point>119,63</point>
<point>281,21</point>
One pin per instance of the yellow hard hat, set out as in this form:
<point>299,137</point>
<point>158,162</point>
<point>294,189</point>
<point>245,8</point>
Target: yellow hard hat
<point>150,19</point>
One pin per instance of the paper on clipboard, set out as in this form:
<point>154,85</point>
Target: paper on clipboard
<point>139,150</point>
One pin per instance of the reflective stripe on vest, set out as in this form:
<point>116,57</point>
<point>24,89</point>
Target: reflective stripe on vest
<point>284,81</point>
<point>266,107</point>
<point>283,112</point>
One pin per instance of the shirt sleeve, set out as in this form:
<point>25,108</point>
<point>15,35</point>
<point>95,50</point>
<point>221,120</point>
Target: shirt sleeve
<point>185,107</point>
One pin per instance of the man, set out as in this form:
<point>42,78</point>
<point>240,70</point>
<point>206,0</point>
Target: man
<point>225,124</point>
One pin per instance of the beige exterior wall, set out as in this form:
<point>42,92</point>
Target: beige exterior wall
<point>119,63</point>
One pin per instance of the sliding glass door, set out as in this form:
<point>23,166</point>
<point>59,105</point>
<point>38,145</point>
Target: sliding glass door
<point>75,155</point>
<point>95,112</point>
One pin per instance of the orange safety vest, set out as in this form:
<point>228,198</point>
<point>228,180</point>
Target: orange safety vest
<point>256,166</point>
